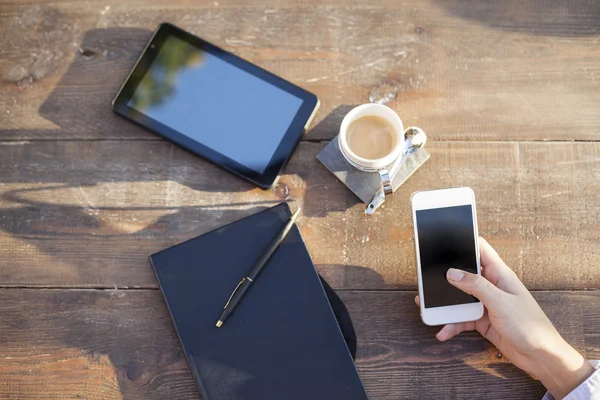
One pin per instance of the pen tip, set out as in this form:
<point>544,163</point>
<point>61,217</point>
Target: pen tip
<point>219,323</point>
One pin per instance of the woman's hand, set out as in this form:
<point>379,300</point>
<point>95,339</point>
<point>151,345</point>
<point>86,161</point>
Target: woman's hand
<point>517,326</point>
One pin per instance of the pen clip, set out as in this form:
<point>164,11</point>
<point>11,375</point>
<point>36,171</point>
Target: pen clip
<point>233,294</point>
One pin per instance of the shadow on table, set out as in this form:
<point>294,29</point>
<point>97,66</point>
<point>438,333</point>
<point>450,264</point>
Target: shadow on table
<point>399,356</point>
<point>321,185</point>
<point>41,221</point>
<point>397,353</point>
<point>329,126</point>
<point>104,59</point>
<point>41,216</point>
<point>537,17</point>
<point>341,276</point>
<point>131,328</point>
<point>115,50</point>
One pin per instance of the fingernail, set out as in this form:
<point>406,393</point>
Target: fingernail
<point>455,274</point>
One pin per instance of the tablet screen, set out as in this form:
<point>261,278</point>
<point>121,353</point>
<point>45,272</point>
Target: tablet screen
<point>215,103</point>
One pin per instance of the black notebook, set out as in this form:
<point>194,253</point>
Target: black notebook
<point>282,342</point>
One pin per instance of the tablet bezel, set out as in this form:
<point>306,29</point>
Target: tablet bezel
<point>288,143</point>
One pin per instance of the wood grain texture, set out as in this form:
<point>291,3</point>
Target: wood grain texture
<point>90,344</point>
<point>88,213</point>
<point>86,196</point>
<point>116,344</point>
<point>483,70</point>
<point>399,357</point>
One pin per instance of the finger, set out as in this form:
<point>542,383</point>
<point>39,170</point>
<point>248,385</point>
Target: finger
<point>417,300</point>
<point>485,328</point>
<point>488,253</point>
<point>451,330</point>
<point>496,271</point>
<point>476,285</point>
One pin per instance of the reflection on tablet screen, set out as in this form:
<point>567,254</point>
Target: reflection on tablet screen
<point>215,103</point>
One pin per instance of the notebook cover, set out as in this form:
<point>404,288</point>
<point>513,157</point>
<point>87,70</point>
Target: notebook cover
<point>283,341</point>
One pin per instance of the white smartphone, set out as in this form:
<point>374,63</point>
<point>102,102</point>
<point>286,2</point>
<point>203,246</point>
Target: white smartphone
<point>445,236</point>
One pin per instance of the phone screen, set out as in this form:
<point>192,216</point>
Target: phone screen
<point>446,240</point>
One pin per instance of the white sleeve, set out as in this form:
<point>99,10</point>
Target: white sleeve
<point>588,390</point>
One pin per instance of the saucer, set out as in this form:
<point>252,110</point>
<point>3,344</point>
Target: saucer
<point>365,184</point>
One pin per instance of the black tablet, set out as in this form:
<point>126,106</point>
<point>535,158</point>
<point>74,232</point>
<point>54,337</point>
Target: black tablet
<point>216,105</point>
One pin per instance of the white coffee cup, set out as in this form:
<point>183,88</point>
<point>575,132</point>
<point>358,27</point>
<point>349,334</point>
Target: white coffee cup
<point>377,110</point>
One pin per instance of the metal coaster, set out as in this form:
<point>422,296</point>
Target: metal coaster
<point>365,184</point>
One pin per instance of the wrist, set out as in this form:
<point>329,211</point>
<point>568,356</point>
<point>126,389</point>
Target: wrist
<point>561,369</point>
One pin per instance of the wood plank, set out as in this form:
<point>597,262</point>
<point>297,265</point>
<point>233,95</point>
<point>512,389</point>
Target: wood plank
<point>491,71</point>
<point>399,357</point>
<point>89,213</point>
<point>115,344</point>
<point>87,344</point>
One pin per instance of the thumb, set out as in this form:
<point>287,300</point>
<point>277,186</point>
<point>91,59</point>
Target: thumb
<point>475,285</point>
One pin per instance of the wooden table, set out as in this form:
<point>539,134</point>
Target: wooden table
<point>509,93</point>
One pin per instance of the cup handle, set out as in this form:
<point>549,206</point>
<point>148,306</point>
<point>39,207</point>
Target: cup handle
<point>386,181</point>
